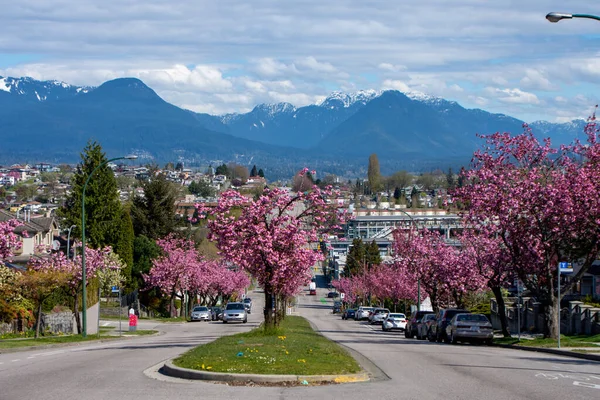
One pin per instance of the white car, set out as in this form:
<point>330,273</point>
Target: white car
<point>362,313</point>
<point>235,312</point>
<point>394,321</point>
<point>201,313</point>
<point>378,315</point>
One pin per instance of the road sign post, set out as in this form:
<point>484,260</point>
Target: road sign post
<point>565,268</point>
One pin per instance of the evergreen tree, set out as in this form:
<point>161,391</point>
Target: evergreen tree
<point>222,170</point>
<point>261,173</point>
<point>374,173</point>
<point>372,255</point>
<point>102,205</point>
<point>356,260</point>
<point>450,179</point>
<point>124,244</point>
<point>179,166</point>
<point>414,197</point>
<point>144,251</point>
<point>397,193</point>
<point>254,172</point>
<point>153,214</point>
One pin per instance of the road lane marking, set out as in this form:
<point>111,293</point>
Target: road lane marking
<point>18,359</point>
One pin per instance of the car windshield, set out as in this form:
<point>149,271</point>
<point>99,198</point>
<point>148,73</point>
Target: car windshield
<point>235,306</point>
<point>428,317</point>
<point>397,316</point>
<point>201,309</point>
<point>472,318</point>
<point>247,300</point>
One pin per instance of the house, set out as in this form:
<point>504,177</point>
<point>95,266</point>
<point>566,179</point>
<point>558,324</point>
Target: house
<point>33,231</point>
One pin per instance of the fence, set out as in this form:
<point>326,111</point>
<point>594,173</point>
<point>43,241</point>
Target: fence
<point>576,319</point>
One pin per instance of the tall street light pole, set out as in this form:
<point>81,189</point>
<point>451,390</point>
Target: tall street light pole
<point>556,16</point>
<point>83,270</point>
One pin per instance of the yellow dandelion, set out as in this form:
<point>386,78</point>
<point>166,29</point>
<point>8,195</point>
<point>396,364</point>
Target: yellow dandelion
<point>203,366</point>
<point>208,367</point>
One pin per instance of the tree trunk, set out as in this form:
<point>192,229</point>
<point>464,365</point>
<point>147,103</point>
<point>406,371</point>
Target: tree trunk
<point>38,320</point>
<point>268,311</point>
<point>172,305</point>
<point>552,319</point>
<point>502,310</point>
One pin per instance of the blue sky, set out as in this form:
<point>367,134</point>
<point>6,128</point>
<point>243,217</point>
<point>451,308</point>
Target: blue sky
<point>229,55</point>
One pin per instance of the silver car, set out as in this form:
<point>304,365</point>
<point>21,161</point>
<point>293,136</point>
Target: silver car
<point>378,315</point>
<point>470,327</point>
<point>423,326</point>
<point>362,313</point>
<point>200,313</point>
<point>394,321</point>
<point>235,312</point>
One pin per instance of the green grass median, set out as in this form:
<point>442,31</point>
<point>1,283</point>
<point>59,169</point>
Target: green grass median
<point>565,341</point>
<point>296,349</point>
<point>60,339</point>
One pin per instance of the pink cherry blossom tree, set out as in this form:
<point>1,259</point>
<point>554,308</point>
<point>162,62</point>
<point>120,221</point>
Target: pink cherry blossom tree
<point>271,237</point>
<point>173,271</point>
<point>543,203</point>
<point>97,260</point>
<point>9,241</point>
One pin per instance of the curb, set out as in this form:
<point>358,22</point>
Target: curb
<point>171,370</point>
<point>565,353</point>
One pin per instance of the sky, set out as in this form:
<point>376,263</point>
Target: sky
<point>226,56</point>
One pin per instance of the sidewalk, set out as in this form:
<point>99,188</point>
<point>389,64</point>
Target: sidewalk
<point>587,353</point>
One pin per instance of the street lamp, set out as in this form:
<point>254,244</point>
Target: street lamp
<point>556,16</point>
<point>83,270</point>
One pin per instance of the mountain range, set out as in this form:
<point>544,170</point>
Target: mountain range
<point>52,121</point>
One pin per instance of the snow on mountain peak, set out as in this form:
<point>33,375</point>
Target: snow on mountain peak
<point>348,99</point>
<point>4,85</point>
<point>276,108</point>
<point>420,96</point>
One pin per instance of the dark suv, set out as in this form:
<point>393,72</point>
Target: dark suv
<point>411,325</point>
<point>437,332</point>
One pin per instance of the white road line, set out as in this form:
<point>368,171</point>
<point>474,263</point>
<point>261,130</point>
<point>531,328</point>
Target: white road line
<point>18,359</point>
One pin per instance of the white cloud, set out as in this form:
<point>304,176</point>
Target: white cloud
<point>229,56</point>
<point>515,96</point>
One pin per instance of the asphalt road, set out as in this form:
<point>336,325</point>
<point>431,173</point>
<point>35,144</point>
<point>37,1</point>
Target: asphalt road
<point>416,369</point>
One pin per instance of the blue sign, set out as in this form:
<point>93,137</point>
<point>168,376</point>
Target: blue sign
<point>114,289</point>
<point>565,267</point>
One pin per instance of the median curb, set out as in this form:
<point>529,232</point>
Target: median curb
<point>172,370</point>
<point>566,353</point>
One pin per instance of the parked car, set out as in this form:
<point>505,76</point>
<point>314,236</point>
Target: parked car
<point>248,304</point>
<point>333,295</point>
<point>349,313</point>
<point>394,321</point>
<point>424,325</point>
<point>337,307</point>
<point>378,315</point>
<point>363,313</point>
<point>437,331</point>
<point>235,312</point>
<point>216,313</point>
<point>413,321</point>
<point>312,288</point>
<point>469,327</point>
<point>200,313</point>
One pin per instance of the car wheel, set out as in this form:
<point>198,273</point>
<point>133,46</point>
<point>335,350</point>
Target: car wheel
<point>489,342</point>
<point>438,337</point>
<point>246,320</point>
<point>453,339</point>
<point>224,321</point>
<point>406,334</point>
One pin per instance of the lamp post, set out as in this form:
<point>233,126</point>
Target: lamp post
<point>556,16</point>
<point>69,239</point>
<point>83,270</point>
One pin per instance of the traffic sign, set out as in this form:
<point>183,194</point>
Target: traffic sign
<point>565,267</point>
<point>114,289</point>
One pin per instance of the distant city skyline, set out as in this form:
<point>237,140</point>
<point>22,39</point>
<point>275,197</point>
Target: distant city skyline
<point>228,56</point>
